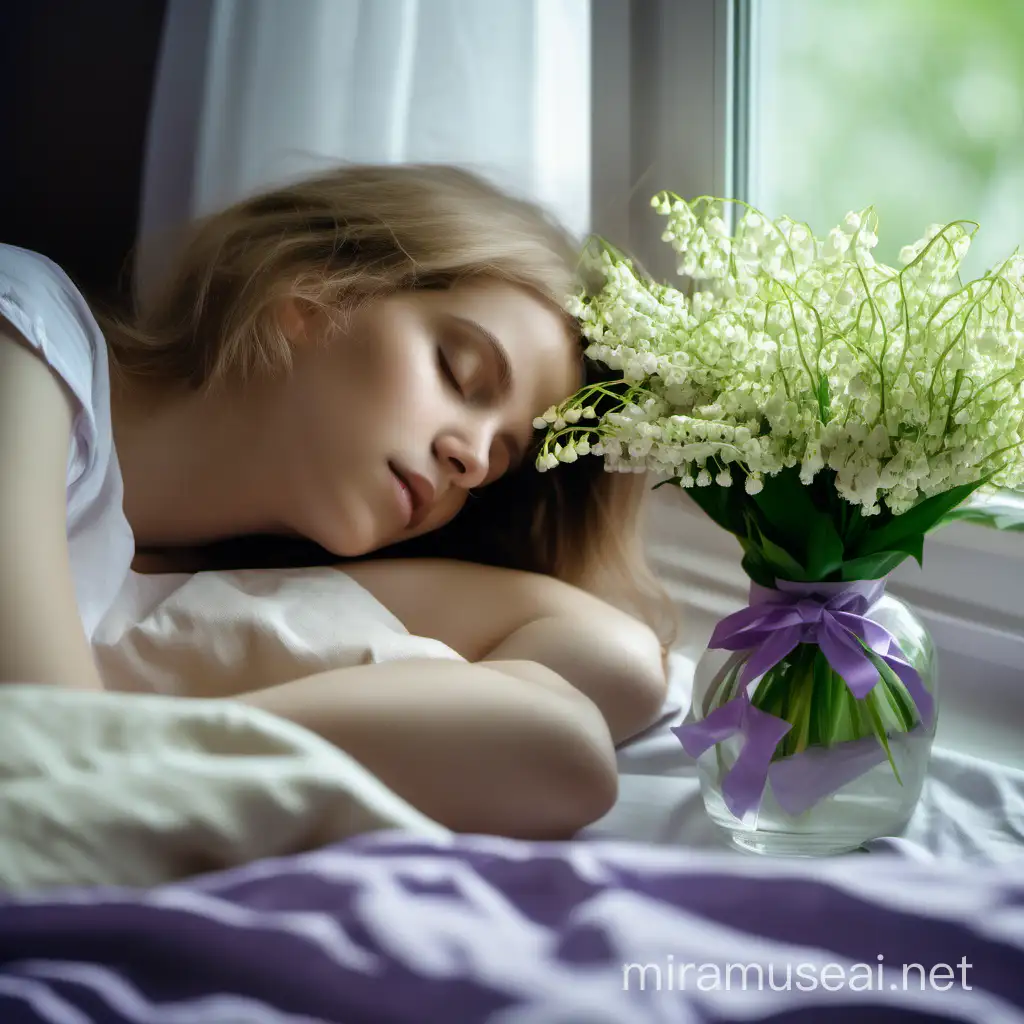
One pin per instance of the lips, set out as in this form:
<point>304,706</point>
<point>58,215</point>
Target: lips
<point>419,489</point>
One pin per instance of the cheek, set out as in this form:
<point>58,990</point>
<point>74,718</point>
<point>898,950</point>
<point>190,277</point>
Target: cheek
<point>330,407</point>
<point>390,376</point>
<point>318,417</point>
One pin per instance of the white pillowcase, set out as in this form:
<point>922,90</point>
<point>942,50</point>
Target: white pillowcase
<point>218,634</point>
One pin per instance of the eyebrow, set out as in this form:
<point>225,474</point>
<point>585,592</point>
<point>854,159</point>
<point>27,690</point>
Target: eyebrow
<point>505,378</point>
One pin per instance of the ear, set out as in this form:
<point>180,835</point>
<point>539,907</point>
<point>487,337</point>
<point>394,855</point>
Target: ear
<point>295,318</point>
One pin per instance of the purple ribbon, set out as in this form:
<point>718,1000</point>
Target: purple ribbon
<point>834,616</point>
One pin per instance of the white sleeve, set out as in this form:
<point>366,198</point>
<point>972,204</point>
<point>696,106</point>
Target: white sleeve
<point>41,301</point>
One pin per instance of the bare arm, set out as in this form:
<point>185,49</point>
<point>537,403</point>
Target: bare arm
<point>41,634</point>
<point>508,749</point>
<point>488,614</point>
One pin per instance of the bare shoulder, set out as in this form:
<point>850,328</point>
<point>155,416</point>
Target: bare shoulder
<point>463,582</point>
<point>470,607</point>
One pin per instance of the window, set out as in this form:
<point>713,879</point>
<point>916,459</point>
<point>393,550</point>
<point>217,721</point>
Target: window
<point>916,107</point>
<point>812,108</point>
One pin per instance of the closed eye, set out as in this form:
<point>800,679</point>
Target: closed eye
<point>446,370</point>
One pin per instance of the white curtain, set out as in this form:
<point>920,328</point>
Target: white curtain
<point>250,93</point>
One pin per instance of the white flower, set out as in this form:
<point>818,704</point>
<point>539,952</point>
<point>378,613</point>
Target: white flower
<point>797,351</point>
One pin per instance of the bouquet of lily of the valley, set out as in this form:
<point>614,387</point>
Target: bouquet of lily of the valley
<point>826,409</point>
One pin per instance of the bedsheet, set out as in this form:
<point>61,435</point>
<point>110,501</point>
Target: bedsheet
<point>386,928</point>
<point>142,789</point>
<point>971,809</point>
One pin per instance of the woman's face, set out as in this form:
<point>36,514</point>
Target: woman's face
<point>421,397</point>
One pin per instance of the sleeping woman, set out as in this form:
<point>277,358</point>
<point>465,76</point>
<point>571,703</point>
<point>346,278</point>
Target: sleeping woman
<point>346,370</point>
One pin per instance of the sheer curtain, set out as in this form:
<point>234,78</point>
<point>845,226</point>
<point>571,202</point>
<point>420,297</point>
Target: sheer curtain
<point>253,92</point>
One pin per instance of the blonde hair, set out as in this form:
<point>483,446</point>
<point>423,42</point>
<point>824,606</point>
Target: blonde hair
<point>334,240</point>
<point>346,237</point>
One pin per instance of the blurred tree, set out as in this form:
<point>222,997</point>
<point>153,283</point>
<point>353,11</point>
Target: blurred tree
<point>913,106</point>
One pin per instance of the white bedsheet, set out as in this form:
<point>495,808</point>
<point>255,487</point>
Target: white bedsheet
<point>141,789</point>
<point>971,809</point>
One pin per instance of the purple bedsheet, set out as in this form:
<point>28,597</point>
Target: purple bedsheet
<point>387,928</point>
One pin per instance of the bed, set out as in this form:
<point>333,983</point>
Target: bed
<point>171,859</point>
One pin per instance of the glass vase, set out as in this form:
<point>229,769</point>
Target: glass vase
<point>850,786</point>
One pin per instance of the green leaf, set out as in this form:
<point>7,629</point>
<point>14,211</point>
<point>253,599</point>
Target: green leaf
<point>893,691</point>
<point>899,700</point>
<point>876,721</point>
<point>824,400</point>
<point>873,567</point>
<point>1005,514</point>
<point>800,713</point>
<point>788,511</point>
<point>854,729</point>
<point>896,693</point>
<point>780,561</point>
<point>824,549</point>
<point>756,568</point>
<point>823,704</point>
<point>786,566</point>
<point>913,546</point>
<point>859,526</point>
<point>770,694</point>
<point>1011,523</point>
<point>846,725</point>
<point>904,529</point>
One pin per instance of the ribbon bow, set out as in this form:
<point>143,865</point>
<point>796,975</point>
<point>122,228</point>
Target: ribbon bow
<point>834,616</point>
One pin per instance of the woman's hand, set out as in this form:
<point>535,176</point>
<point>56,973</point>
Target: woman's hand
<point>487,614</point>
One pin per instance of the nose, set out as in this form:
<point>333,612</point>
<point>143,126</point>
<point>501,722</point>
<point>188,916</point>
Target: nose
<point>463,461</point>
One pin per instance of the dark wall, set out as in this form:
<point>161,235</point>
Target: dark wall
<point>76,77</point>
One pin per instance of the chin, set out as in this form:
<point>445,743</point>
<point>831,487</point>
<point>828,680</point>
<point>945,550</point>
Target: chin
<point>432,524</point>
<point>345,542</point>
<point>355,549</point>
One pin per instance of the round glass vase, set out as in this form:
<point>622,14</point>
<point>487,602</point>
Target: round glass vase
<point>877,801</point>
